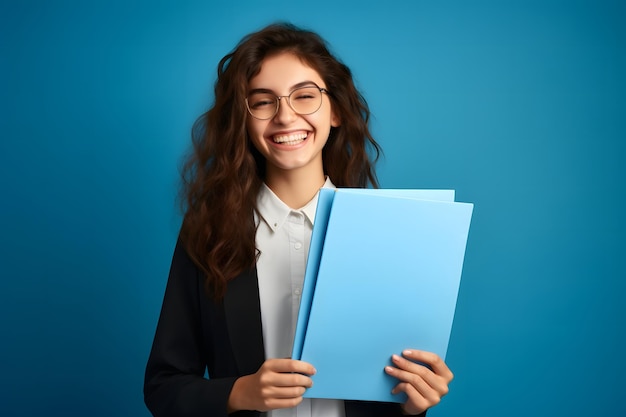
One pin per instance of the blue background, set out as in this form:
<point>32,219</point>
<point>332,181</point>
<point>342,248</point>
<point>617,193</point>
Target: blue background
<point>518,105</point>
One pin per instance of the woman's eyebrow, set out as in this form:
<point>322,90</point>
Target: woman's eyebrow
<point>303,84</point>
<point>293,87</point>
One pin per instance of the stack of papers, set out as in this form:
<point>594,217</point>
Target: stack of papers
<point>382,275</point>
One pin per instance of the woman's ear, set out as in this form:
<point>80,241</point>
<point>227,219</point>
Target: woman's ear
<point>335,121</point>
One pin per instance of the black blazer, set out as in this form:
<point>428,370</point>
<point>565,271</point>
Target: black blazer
<point>195,333</point>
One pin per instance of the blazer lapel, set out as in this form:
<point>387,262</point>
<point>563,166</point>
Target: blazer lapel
<point>243,319</point>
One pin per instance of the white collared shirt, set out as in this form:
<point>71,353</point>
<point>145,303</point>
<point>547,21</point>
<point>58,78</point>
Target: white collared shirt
<point>283,237</point>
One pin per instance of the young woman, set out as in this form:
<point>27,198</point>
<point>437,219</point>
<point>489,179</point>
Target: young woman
<point>287,120</point>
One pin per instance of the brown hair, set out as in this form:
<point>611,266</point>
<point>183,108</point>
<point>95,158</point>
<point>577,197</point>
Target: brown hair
<point>223,172</point>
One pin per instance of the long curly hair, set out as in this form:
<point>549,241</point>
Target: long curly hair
<point>223,172</point>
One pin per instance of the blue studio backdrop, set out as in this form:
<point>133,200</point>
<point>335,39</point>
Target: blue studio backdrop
<point>518,105</point>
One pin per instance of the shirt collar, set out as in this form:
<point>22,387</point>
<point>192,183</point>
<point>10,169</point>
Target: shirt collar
<point>274,212</point>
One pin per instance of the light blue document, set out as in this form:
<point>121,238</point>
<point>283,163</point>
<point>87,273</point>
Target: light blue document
<point>383,275</point>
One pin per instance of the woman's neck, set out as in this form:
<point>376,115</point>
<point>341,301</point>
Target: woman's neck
<point>295,188</point>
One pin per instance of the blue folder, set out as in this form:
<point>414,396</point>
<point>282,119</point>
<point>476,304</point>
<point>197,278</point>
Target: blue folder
<point>382,276</point>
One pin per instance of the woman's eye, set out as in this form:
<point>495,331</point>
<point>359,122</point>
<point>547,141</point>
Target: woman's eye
<point>260,103</point>
<point>304,96</point>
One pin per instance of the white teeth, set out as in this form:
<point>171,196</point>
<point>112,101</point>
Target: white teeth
<point>290,139</point>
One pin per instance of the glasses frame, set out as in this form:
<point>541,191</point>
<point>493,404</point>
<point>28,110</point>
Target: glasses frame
<point>288,97</point>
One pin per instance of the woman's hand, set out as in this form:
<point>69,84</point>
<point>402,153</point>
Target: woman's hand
<point>423,386</point>
<point>279,383</point>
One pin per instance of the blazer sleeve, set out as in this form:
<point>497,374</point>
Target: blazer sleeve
<point>174,380</point>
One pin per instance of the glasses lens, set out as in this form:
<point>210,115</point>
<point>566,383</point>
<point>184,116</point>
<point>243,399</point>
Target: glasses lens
<point>305,100</point>
<point>262,105</point>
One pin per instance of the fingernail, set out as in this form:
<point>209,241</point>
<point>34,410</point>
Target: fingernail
<point>395,357</point>
<point>388,369</point>
<point>407,352</point>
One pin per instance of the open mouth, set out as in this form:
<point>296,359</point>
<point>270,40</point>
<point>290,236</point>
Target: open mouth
<point>290,139</point>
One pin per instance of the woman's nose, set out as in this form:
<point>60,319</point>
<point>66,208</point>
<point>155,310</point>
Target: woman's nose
<point>285,113</point>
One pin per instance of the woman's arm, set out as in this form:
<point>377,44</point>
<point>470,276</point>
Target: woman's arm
<point>174,380</point>
<point>191,335</point>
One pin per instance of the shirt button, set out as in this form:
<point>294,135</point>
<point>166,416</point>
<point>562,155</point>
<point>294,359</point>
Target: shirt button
<point>298,245</point>
<point>297,291</point>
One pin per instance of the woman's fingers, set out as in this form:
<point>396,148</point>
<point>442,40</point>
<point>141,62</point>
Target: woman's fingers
<point>430,359</point>
<point>414,373</point>
<point>423,376</point>
<point>289,365</point>
<point>279,379</point>
<point>286,373</point>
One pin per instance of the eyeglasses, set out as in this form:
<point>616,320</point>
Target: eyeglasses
<point>303,101</point>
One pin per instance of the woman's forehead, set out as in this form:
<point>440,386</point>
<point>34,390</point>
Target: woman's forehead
<point>284,71</point>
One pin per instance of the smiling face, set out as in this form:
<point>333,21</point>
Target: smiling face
<point>290,142</point>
